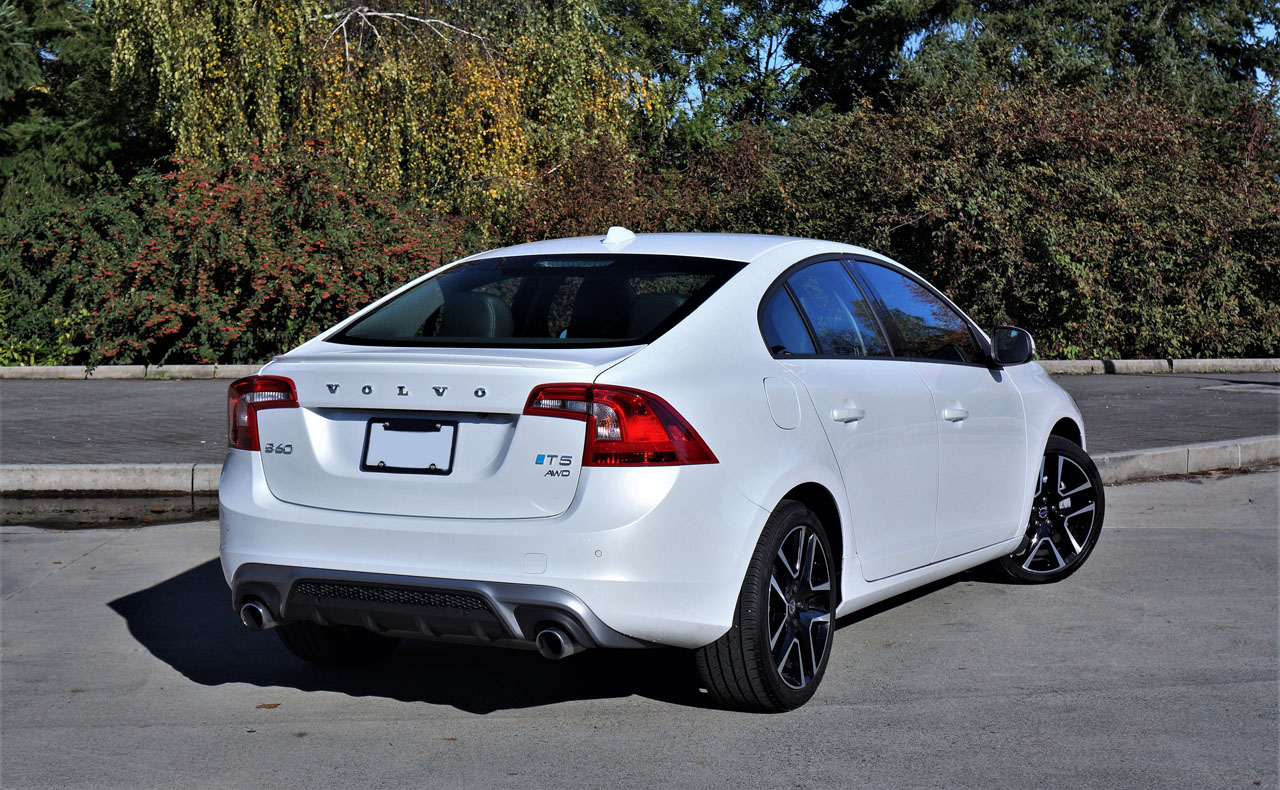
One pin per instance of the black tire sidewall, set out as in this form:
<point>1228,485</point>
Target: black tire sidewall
<point>1064,447</point>
<point>786,517</point>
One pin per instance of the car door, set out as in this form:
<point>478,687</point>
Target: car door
<point>876,411</point>
<point>980,416</point>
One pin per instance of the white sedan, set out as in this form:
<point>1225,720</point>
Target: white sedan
<point>716,442</point>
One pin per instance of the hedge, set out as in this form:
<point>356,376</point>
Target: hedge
<point>1107,225</point>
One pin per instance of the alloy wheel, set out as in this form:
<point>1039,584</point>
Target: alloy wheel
<point>799,607</point>
<point>1063,516</point>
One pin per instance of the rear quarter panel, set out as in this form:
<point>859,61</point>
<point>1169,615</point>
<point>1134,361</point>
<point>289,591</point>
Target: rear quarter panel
<point>712,368</point>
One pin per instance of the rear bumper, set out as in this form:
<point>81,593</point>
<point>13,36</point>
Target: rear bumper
<point>656,555</point>
<point>449,609</point>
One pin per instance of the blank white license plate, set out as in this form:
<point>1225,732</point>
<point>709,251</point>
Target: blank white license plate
<point>409,446</point>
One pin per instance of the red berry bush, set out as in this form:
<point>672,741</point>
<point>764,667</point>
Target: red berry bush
<point>232,266</point>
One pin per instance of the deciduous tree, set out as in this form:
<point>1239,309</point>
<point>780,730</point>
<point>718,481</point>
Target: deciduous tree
<point>1201,56</point>
<point>456,106</point>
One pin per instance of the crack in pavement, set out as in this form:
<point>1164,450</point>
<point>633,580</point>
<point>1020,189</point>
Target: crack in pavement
<point>66,565</point>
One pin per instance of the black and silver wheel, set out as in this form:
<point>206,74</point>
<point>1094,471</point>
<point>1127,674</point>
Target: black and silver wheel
<point>774,655</point>
<point>1066,517</point>
<point>335,645</point>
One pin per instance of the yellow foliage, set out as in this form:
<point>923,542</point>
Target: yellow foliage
<point>460,113</point>
<point>223,69</point>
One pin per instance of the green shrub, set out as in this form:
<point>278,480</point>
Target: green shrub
<point>1107,225</point>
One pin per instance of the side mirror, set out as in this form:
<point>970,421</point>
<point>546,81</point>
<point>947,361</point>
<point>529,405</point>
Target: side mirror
<point>1013,346</point>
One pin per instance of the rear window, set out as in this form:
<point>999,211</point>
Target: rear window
<point>538,301</point>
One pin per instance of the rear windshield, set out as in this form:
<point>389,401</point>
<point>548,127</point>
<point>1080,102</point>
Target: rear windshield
<point>537,301</point>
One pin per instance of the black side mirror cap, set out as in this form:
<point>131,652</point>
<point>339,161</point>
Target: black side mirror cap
<point>1013,346</point>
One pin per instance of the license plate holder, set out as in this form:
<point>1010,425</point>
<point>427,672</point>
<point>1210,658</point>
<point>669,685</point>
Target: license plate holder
<point>409,446</point>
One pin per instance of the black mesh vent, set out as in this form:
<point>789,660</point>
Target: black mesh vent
<point>398,595</point>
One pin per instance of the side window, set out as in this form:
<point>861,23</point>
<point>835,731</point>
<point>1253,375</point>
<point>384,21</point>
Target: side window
<point>930,328</point>
<point>784,330</point>
<point>842,320</point>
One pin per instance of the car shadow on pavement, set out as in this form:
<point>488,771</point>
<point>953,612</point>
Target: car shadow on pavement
<point>188,623</point>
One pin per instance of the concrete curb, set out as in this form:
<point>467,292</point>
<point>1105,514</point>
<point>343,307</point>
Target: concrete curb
<point>115,479</point>
<point>202,479</point>
<point>1183,459</point>
<point>238,371</point>
<point>128,371</point>
<point>1160,365</point>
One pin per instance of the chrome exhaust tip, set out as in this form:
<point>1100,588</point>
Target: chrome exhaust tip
<point>257,617</point>
<point>554,644</point>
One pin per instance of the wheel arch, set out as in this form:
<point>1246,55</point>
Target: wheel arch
<point>1068,429</point>
<point>821,501</point>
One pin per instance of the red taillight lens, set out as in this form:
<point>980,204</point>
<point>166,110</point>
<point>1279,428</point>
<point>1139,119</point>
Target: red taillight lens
<point>247,397</point>
<point>625,427</point>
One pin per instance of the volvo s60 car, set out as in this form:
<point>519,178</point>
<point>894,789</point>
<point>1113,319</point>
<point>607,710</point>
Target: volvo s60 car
<point>714,442</point>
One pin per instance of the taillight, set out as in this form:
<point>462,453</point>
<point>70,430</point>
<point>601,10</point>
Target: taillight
<point>625,427</point>
<point>247,397</point>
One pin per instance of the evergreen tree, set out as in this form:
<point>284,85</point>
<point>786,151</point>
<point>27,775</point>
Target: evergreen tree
<point>61,122</point>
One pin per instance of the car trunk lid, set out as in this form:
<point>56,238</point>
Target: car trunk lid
<point>418,432</point>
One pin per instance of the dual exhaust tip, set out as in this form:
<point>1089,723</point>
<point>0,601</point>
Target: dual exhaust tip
<point>553,643</point>
<point>257,617</point>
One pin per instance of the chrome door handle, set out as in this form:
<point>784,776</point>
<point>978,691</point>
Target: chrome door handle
<point>848,415</point>
<point>954,414</point>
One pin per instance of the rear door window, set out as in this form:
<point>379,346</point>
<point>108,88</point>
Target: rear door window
<point>537,301</point>
<point>841,318</point>
<point>929,327</point>
<point>784,331</point>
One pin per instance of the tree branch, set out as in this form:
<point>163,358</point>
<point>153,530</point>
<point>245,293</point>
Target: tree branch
<point>364,17</point>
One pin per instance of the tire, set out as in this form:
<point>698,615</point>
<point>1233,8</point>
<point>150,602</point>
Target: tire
<point>335,645</point>
<point>775,653</point>
<point>1066,518</point>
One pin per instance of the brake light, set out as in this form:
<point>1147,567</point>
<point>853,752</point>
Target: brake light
<point>625,427</point>
<point>246,397</point>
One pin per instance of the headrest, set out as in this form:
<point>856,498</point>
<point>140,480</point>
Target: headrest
<point>600,309</point>
<point>474,314</point>
<point>649,310</point>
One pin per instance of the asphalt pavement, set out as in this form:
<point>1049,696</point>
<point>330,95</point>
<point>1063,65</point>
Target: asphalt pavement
<point>184,421</point>
<point>1155,666</point>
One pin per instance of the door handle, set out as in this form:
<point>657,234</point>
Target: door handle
<point>848,415</point>
<point>954,414</point>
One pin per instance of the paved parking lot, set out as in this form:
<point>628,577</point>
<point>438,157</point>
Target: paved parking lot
<point>122,666</point>
<point>150,422</point>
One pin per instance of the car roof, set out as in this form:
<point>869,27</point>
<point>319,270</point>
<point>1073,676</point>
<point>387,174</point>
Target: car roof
<point>725,246</point>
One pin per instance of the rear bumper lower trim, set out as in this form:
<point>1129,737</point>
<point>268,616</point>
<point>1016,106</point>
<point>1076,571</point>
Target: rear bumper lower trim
<point>449,609</point>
